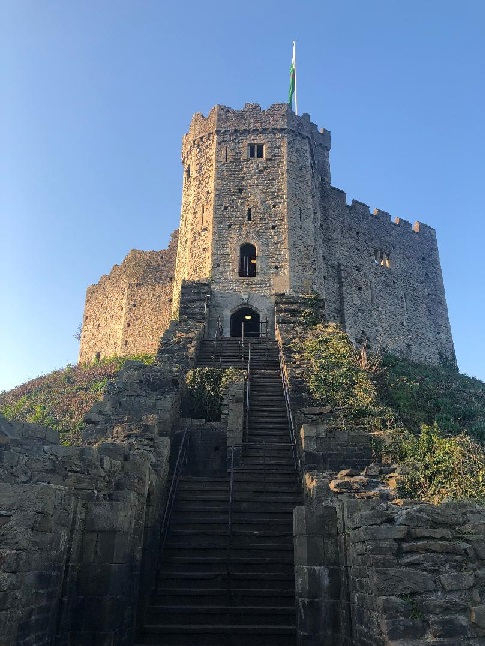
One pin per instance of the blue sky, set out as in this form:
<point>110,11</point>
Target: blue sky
<point>95,96</point>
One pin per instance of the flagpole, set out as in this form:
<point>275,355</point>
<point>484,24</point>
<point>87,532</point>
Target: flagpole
<point>294,61</point>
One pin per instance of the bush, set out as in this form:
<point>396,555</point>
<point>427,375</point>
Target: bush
<point>332,371</point>
<point>205,389</point>
<point>437,467</point>
<point>423,394</point>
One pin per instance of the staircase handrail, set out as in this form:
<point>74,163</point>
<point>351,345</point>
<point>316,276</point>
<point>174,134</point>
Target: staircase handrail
<point>229,524</point>
<point>167,512</point>
<point>248,390</point>
<point>286,392</point>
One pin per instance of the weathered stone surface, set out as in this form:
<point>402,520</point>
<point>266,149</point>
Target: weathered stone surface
<point>457,581</point>
<point>127,311</point>
<point>477,615</point>
<point>402,581</point>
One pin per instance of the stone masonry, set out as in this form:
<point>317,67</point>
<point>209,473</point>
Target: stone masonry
<point>127,312</point>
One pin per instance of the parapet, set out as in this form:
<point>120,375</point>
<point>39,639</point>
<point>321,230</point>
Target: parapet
<point>362,211</point>
<point>278,116</point>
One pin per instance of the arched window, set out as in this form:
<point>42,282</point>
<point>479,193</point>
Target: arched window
<point>247,260</point>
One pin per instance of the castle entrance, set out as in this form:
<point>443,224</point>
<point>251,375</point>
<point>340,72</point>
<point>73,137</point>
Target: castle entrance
<point>251,321</point>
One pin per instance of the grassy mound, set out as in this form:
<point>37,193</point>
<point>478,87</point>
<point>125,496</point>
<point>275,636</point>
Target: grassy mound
<point>433,417</point>
<point>61,398</point>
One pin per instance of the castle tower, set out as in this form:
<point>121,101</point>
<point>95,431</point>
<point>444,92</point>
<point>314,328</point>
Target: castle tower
<point>250,209</point>
<point>260,218</point>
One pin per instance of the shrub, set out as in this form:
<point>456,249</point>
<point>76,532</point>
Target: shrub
<point>437,467</point>
<point>205,391</point>
<point>424,394</point>
<point>332,371</point>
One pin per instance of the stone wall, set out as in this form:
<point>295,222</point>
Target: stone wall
<point>74,522</point>
<point>383,280</point>
<point>372,573</point>
<point>127,311</point>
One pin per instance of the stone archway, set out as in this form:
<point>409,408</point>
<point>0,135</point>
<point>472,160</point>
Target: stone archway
<point>251,321</point>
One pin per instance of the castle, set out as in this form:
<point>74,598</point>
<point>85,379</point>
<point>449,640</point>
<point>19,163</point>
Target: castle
<point>274,525</point>
<point>259,218</point>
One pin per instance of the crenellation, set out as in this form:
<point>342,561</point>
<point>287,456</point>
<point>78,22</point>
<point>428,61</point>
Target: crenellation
<point>382,215</point>
<point>360,208</point>
<point>404,224</point>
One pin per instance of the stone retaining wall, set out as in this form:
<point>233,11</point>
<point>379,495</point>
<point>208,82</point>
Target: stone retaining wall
<point>73,525</point>
<point>372,573</point>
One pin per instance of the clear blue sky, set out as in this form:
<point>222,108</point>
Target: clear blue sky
<point>95,96</point>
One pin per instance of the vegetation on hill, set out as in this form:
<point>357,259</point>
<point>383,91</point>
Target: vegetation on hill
<point>432,419</point>
<point>61,399</point>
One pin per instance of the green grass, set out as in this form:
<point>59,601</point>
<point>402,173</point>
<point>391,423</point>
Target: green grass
<point>61,398</point>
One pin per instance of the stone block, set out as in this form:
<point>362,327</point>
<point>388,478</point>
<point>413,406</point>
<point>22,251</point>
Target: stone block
<point>457,581</point>
<point>449,627</point>
<point>402,629</point>
<point>309,550</point>
<point>394,581</point>
<point>429,532</point>
<point>394,607</point>
<point>446,606</point>
<point>379,533</point>
<point>477,616</point>
<point>109,517</point>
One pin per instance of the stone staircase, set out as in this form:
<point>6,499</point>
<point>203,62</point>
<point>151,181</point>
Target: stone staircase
<point>227,573</point>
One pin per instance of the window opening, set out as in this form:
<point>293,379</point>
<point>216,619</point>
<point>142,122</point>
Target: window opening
<point>249,215</point>
<point>247,260</point>
<point>256,151</point>
<point>187,171</point>
<point>382,258</point>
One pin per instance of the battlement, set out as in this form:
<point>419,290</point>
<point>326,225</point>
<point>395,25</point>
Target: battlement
<point>362,211</point>
<point>278,116</point>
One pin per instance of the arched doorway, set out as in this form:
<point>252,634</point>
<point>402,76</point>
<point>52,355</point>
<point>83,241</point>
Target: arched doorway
<point>250,318</point>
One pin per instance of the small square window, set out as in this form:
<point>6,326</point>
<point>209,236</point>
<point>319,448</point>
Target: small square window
<point>256,151</point>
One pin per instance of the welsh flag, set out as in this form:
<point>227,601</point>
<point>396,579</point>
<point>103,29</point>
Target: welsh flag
<point>291,91</point>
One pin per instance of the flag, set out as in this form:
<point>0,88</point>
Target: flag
<point>291,91</point>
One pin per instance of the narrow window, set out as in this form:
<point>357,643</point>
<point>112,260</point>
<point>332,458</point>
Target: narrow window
<point>249,215</point>
<point>247,261</point>
<point>256,151</point>
<point>187,172</point>
<point>226,155</point>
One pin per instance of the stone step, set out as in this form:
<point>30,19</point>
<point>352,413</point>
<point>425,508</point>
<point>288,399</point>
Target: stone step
<point>210,615</point>
<point>228,635</point>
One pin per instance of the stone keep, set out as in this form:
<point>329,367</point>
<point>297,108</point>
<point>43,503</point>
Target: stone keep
<point>260,218</point>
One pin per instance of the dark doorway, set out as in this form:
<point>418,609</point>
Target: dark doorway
<point>247,260</point>
<point>250,318</point>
